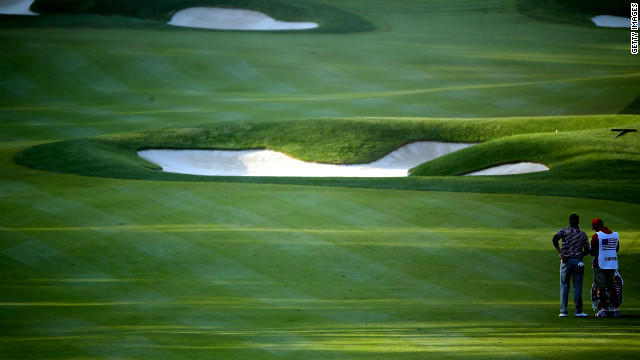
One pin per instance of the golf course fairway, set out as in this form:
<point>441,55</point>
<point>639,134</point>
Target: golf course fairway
<point>103,256</point>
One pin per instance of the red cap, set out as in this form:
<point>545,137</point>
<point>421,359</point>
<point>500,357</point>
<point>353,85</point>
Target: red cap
<point>595,222</point>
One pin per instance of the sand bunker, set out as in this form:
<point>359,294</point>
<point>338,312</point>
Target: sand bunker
<point>612,21</point>
<point>271,163</point>
<point>511,169</point>
<point>16,7</point>
<point>233,19</point>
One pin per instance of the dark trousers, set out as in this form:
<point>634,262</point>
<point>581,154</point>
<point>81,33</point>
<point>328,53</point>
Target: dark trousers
<point>568,270</point>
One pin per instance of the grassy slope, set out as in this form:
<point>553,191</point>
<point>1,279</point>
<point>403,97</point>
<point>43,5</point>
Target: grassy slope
<point>102,268</point>
<point>571,155</point>
<point>579,152</point>
<point>633,108</point>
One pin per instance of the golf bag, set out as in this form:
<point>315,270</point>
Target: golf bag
<point>601,298</point>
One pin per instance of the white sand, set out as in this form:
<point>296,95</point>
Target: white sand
<point>16,7</point>
<point>233,19</point>
<point>271,163</point>
<point>510,169</point>
<point>612,21</point>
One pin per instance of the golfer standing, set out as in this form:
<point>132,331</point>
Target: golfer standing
<point>604,249</point>
<point>575,245</point>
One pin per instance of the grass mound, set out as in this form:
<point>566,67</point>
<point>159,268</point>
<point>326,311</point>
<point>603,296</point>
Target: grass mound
<point>633,108</point>
<point>578,151</point>
<point>572,155</point>
<point>331,19</point>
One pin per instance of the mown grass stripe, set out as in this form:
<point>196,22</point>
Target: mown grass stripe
<point>299,271</point>
<point>442,89</point>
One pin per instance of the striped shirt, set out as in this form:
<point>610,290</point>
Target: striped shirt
<point>574,241</point>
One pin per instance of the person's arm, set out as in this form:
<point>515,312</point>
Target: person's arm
<point>556,240</point>
<point>585,244</point>
<point>594,245</point>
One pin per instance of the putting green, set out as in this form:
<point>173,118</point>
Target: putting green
<point>97,267</point>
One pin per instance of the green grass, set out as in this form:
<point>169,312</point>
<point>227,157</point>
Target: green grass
<point>152,13</point>
<point>633,108</point>
<point>576,149</point>
<point>95,267</point>
<point>96,81</point>
<point>268,271</point>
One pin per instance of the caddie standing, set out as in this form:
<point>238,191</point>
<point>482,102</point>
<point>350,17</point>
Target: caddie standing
<point>605,245</point>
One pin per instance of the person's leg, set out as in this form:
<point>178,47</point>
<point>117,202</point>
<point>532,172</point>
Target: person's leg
<point>578,275</point>
<point>600,281</point>
<point>564,287</point>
